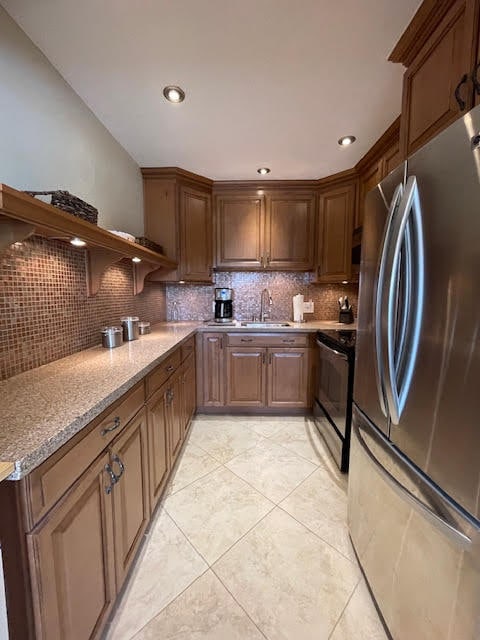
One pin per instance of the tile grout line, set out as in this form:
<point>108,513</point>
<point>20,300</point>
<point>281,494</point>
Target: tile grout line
<point>238,603</point>
<point>344,608</point>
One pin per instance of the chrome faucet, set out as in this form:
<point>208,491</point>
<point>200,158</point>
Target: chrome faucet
<point>265,304</point>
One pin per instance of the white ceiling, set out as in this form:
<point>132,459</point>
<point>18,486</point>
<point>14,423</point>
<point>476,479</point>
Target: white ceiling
<point>269,82</point>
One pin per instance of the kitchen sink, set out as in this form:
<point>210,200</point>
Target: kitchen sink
<point>265,325</point>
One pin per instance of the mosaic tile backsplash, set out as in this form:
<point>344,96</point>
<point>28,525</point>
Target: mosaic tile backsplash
<point>44,310</point>
<point>194,302</point>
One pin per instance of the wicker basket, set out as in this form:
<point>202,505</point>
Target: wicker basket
<point>149,244</point>
<point>70,204</point>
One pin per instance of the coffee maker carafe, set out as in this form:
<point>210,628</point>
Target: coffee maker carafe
<point>223,305</point>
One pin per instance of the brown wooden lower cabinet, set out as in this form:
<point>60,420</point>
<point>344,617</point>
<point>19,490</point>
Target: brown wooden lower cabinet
<point>131,499</point>
<point>175,413</point>
<point>267,377</point>
<point>288,371</point>
<point>189,392</point>
<point>246,377</point>
<point>72,561</point>
<point>211,370</point>
<point>158,446</point>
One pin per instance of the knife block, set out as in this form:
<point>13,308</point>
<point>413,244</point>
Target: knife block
<point>346,316</point>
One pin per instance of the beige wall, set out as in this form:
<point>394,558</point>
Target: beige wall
<point>50,139</point>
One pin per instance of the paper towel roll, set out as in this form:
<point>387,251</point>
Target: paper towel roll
<point>298,308</point>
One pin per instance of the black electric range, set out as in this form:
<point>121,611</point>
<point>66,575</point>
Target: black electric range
<point>334,391</point>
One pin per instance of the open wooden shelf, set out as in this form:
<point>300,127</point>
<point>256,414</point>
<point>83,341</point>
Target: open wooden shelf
<point>22,215</point>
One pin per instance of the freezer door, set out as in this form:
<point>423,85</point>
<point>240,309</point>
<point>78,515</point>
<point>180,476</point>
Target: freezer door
<point>419,553</point>
<point>437,423</point>
<point>380,206</point>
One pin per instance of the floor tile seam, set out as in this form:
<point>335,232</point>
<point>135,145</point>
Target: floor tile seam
<point>196,479</point>
<point>239,604</point>
<point>344,608</point>
<point>187,538</point>
<point>212,455</point>
<point>243,535</point>
<point>299,455</point>
<point>169,603</point>
<point>253,487</point>
<point>317,535</point>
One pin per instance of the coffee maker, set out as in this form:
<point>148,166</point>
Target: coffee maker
<point>223,305</point>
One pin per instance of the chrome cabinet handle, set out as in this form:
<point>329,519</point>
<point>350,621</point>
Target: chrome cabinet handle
<point>246,339</point>
<point>263,358</point>
<point>270,358</point>
<point>268,259</point>
<point>169,368</point>
<point>289,341</point>
<point>113,479</point>
<point>170,396</point>
<point>460,101</point>
<point>115,425</point>
<point>121,466</point>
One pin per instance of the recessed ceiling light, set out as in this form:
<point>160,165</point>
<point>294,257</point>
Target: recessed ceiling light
<point>346,140</point>
<point>136,259</point>
<point>263,171</point>
<point>78,242</point>
<point>174,94</point>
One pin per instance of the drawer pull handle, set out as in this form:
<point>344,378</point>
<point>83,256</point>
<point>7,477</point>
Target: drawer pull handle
<point>169,368</point>
<point>246,339</point>
<point>113,479</point>
<point>121,466</point>
<point>285,340</point>
<point>170,396</point>
<point>115,425</point>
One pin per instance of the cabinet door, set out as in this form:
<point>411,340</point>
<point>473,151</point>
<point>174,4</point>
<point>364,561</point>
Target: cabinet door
<point>72,561</point>
<point>189,391</point>
<point>429,102</point>
<point>288,378</point>
<point>195,235</point>
<point>175,412</point>
<point>131,503</point>
<point>213,370</point>
<point>289,231</point>
<point>240,222</point>
<point>368,180</point>
<point>392,158</point>
<point>246,377</point>
<point>335,227</point>
<point>159,456</point>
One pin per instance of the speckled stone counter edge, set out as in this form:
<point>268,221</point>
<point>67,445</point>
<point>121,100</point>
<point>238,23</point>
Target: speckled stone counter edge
<point>28,461</point>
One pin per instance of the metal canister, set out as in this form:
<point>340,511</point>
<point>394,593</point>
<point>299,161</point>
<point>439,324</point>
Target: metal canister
<point>112,337</point>
<point>130,327</point>
<point>143,328</point>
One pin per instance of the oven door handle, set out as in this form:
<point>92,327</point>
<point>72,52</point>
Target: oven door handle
<point>331,350</point>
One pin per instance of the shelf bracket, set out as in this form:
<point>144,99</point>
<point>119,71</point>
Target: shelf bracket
<point>97,260</point>
<point>140,272</point>
<point>13,231</point>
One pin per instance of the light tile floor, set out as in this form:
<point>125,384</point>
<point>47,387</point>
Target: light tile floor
<point>250,542</point>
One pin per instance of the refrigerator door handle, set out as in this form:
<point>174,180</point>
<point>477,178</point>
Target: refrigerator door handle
<point>451,532</point>
<point>399,378</point>
<point>380,340</point>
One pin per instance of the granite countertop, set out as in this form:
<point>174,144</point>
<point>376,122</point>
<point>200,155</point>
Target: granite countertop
<point>41,409</point>
<point>303,327</point>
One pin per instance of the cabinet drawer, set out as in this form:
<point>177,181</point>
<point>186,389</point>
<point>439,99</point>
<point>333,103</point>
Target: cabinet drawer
<point>187,348</point>
<point>51,480</point>
<point>161,374</point>
<point>267,340</point>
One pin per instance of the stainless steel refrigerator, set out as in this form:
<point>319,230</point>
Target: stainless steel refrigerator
<point>414,482</point>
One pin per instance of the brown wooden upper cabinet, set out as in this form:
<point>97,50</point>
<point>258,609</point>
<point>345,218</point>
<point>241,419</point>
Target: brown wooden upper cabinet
<point>272,230</point>
<point>335,226</point>
<point>178,216</point>
<point>440,50</point>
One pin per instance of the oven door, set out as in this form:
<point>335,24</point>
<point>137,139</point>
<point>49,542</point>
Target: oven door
<point>332,385</point>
